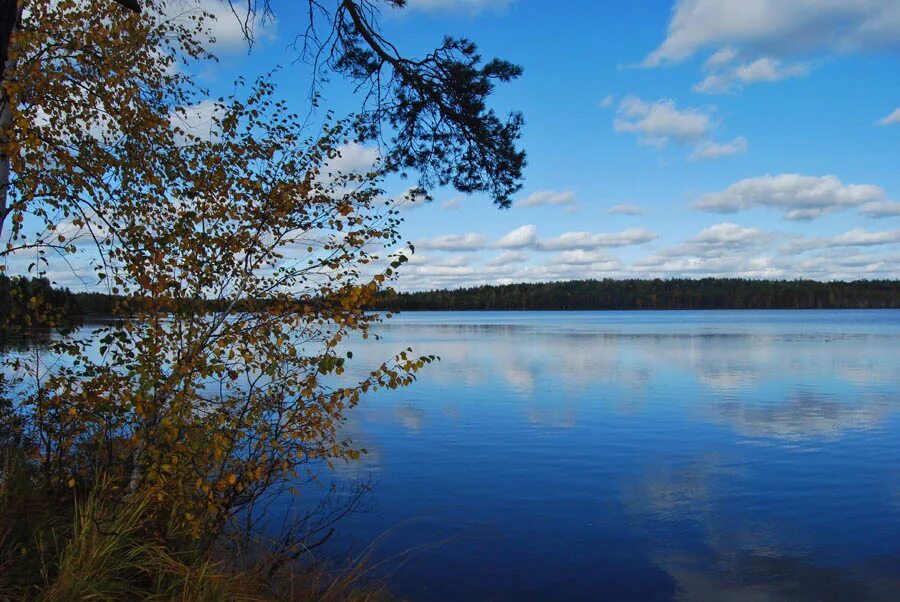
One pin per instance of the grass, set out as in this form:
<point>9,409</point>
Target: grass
<point>93,549</point>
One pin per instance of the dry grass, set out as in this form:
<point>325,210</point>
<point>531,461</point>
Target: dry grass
<point>94,550</point>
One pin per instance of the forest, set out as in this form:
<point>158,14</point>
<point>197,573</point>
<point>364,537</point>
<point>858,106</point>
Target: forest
<point>20,296</point>
<point>25,299</point>
<point>674,293</point>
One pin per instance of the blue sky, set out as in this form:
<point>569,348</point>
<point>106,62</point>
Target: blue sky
<point>665,138</point>
<point>742,137</point>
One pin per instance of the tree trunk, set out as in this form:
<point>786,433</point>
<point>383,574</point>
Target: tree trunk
<point>10,13</point>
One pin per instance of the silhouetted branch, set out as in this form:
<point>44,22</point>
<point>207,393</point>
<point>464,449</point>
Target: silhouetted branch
<point>130,5</point>
<point>433,109</point>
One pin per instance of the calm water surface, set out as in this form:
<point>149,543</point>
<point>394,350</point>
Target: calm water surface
<point>633,456</point>
<point>636,456</point>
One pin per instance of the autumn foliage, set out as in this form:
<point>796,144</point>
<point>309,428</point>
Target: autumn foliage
<point>243,261</point>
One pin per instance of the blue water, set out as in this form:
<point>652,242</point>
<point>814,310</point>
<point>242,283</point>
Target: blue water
<point>634,456</point>
<point>728,455</point>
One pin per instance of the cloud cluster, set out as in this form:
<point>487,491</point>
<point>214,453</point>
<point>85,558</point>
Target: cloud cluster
<point>508,258</point>
<point>800,197</point>
<point>724,249</point>
<point>657,123</point>
<point>730,78</point>
<point>878,209</point>
<point>723,237</point>
<point>858,237</point>
<point>753,41</point>
<point>660,122</point>
<point>713,150</point>
<point>625,209</point>
<point>352,157</point>
<point>547,197</point>
<point>721,249</point>
<point>595,259</point>
<point>525,237</point>
<point>226,25</point>
<point>778,27</point>
<point>454,242</point>
<point>586,240</point>
<point>521,237</point>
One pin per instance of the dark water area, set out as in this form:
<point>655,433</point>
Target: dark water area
<point>635,456</point>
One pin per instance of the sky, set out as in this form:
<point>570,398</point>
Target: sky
<point>665,138</point>
<point>753,138</point>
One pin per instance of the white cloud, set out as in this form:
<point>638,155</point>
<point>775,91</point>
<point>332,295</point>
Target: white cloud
<point>727,236</point>
<point>454,242</point>
<point>777,28</point>
<point>720,250</point>
<point>197,120</point>
<point>800,197</point>
<point>725,245</point>
<point>451,204</point>
<point>767,70</point>
<point>721,57</point>
<point>508,258</point>
<point>582,257</point>
<point>857,237</point>
<point>414,258</point>
<point>352,157</point>
<point>411,198</point>
<point>454,261</point>
<point>625,209</point>
<point>864,238</point>
<point>547,197</point>
<point>762,33</point>
<point>724,249</point>
<point>846,263</point>
<point>735,266</point>
<point>225,24</point>
<point>657,123</point>
<point>589,240</point>
<point>660,122</point>
<point>764,69</point>
<point>891,118</point>
<point>711,150</point>
<point>878,209</point>
<point>440,272</point>
<point>607,101</point>
<point>523,236</point>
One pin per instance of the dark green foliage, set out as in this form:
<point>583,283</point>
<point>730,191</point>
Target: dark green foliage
<point>676,293</point>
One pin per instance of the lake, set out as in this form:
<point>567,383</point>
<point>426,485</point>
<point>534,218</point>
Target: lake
<point>652,455</point>
<point>729,455</point>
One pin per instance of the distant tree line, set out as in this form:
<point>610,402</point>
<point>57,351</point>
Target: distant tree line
<point>31,300</point>
<point>675,293</point>
<point>36,302</point>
